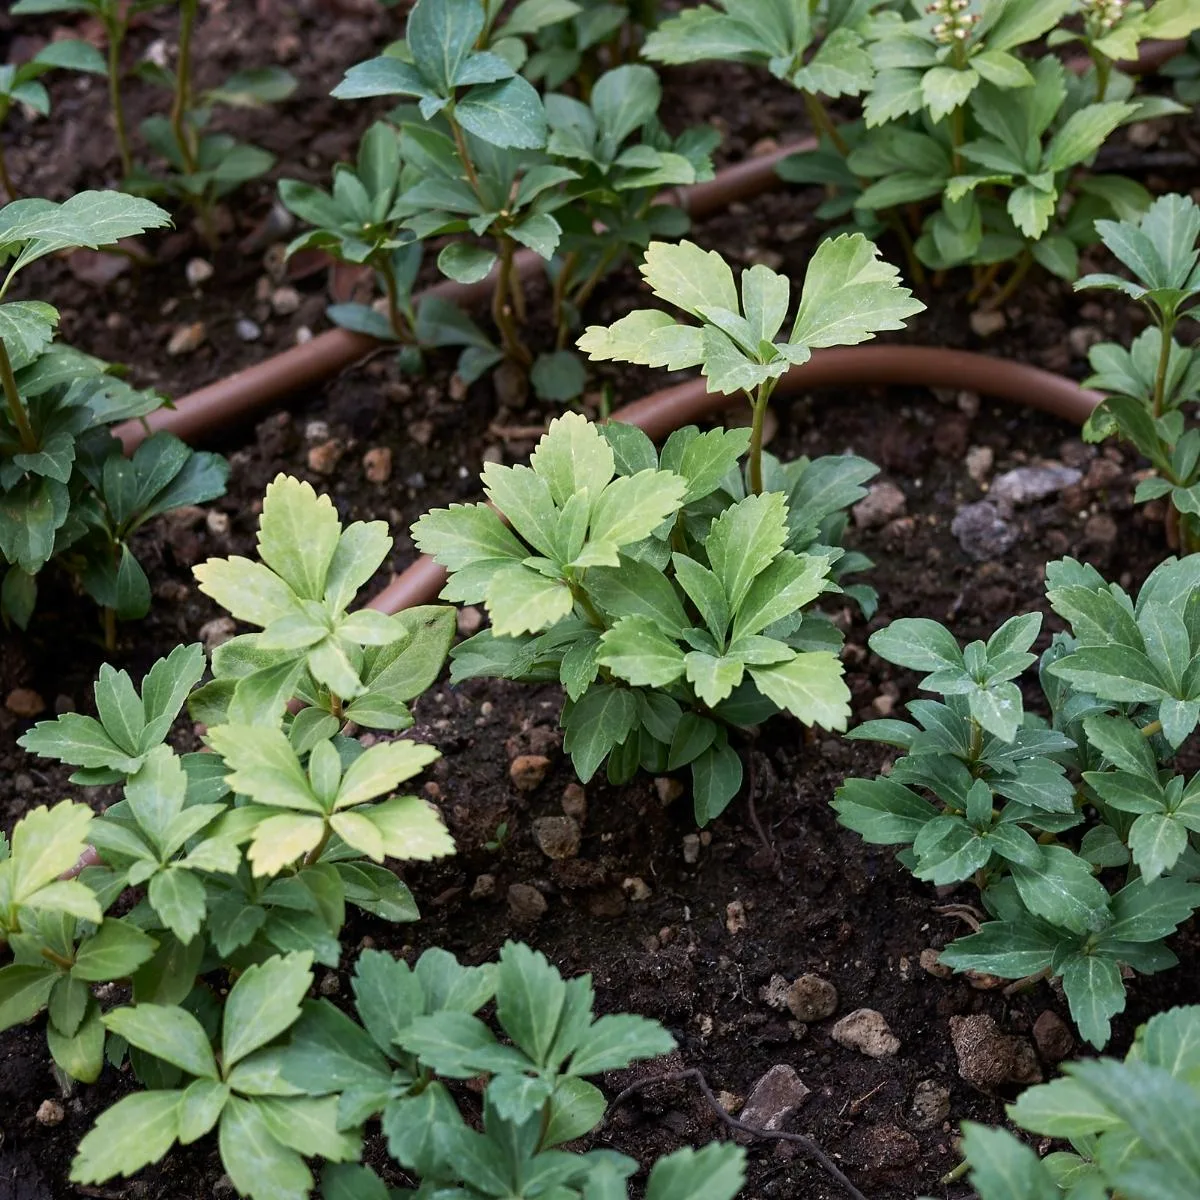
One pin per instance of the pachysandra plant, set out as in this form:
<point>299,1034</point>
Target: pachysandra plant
<point>359,224</point>
<point>60,940</point>
<point>1032,811</point>
<point>624,158</point>
<point>114,17</point>
<point>361,666</point>
<point>1128,1123</point>
<point>290,1078</point>
<point>265,1128</point>
<point>672,605</point>
<point>419,1028</point>
<point>584,37</point>
<point>67,492</point>
<point>1114,29</point>
<point>19,84</point>
<point>201,167</point>
<point>849,294</point>
<point>821,54</point>
<point>251,849</point>
<point>1150,383</point>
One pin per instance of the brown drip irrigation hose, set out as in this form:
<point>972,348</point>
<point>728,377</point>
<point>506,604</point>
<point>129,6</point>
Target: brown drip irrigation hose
<point>844,366</point>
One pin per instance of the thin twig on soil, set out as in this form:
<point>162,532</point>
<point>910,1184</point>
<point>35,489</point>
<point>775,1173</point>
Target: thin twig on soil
<point>806,1144</point>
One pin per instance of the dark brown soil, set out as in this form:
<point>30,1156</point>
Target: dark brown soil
<point>692,944</point>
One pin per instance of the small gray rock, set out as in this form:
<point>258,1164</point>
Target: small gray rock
<point>982,531</point>
<point>882,503</point>
<point>775,1097</point>
<point>866,1031</point>
<point>930,1105</point>
<point>812,998</point>
<point>1024,485</point>
<point>247,330</point>
<point>216,632</point>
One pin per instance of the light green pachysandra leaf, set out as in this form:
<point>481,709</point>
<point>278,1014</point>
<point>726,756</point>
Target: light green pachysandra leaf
<point>713,678</point>
<point>464,534</point>
<point>530,995</point>
<point>199,1108</point>
<point>45,843</point>
<point>765,298</point>
<point>786,586</point>
<point>744,540</point>
<point>81,1055</point>
<point>882,811</point>
<point>177,895</point>
<point>1003,1168</point>
<point>246,589</point>
<point>520,600</point>
<point>114,951</point>
<point>524,498</point>
<point>411,829</point>
<point>631,507</point>
<point>703,32</point>
<point>615,1041</point>
<point>1063,1108</point>
<point>360,551</point>
<point>167,1032</point>
<point>573,456</point>
<point>259,1165</point>
<point>918,643</point>
<point>26,328</point>
<point>636,589</point>
<point>298,535</point>
<point>683,274</point>
<point>164,689</point>
<point>635,650</point>
<point>810,687</point>
<point>849,295</point>
<point>78,740</point>
<point>137,1130</point>
<point>24,992</point>
<point>717,1172</point>
<point>264,766</point>
<point>381,769</point>
<point>278,841</point>
<point>155,794</point>
<point>647,336</point>
<point>263,1003</point>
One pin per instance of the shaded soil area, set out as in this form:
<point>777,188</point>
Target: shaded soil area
<point>689,930</point>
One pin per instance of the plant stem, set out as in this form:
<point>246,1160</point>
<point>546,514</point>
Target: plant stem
<point>314,855</point>
<point>822,122</point>
<point>561,283</point>
<point>57,959</point>
<point>395,316</point>
<point>590,284</point>
<point>182,103</point>
<point>115,31</point>
<point>976,747</point>
<point>584,601</point>
<point>1014,280</point>
<point>10,189</point>
<point>460,144</point>
<point>15,408</point>
<point>1167,333</point>
<point>915,267</point>
<point>1155,727</point>
<point>502,312</point>
<point>985,281</point>
<point>756,434</point>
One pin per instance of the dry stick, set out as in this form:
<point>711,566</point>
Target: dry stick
<point>807,1145</point>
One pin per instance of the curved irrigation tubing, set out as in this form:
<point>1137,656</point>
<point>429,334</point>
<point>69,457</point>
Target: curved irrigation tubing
<point>661,412</point>
<point>236,396</point>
